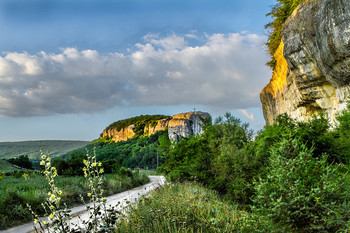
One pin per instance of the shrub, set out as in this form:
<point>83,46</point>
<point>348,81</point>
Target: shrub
<point>303,193</point>
<point>22,161</point>
<point>125,172</point>
<point>110,166</point>
<point>342,135</point>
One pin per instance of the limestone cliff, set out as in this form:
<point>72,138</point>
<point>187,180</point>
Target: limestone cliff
<point>180,125</point>
<point>121,135</point>
<point>161,125</point>
<point>186,124</point>
<point>129,131</point>
<point>313,62</point>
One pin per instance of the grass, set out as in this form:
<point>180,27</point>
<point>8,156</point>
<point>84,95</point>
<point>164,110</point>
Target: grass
<point>15,193</point>
<point>32,148</point>
<point>183,207</point>
<point>6,166</point>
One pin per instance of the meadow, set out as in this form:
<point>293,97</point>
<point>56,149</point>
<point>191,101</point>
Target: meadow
<point>16,191</point>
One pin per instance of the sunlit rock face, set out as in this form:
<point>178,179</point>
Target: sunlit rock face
<point>128,132</point>
<point>180,125</point>
<point>186,124</point>
<point>161,125</point>
<point>117,136</point>
<point>313,63</point>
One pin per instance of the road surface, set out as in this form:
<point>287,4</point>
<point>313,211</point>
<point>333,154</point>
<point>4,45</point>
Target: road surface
<point>79,212</point>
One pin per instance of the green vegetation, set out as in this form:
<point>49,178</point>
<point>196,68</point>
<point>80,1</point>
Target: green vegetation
<point>137,152</point>
<point>294,177</point>
<point>15,193</point>
<point>22,161</point>
<point>32,149</point>
<point>6,166</point>
<point>182,207</point>
<point>218,158</point>
<point>140,123</point>
<point>279,13</point>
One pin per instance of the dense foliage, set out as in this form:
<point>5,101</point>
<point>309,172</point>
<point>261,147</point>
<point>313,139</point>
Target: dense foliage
<point>22,161</point>
<point>294,176</point>
<point>218,158</point>
<point>279,13</point>
<point>140,123</point>
<point>144,152</point>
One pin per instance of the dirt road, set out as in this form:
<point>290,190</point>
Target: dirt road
<point>124,197</point>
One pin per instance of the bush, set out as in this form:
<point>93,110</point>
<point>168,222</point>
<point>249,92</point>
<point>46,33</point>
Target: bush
<point>22,161</point>
<point>1,175</point>
<point>125,172</point>
<point>303,193</point>
<point>342,135</point>
<point>110,166</point>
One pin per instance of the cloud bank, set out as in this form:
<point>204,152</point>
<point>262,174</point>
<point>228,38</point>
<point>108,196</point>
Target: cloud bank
<point>222,72</point>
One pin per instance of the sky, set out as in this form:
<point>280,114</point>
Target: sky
<point>68,68</point>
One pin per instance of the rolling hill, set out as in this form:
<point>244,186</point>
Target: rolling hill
<point>53,148</point>
<point>6,166</point>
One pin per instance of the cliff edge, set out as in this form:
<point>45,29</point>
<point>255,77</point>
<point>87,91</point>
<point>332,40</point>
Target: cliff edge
<point>313,63</point>
<point>179,125</point>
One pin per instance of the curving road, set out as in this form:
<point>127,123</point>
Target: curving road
<point>79,213</point>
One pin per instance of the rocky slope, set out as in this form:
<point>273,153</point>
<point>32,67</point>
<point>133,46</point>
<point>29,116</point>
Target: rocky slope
<point>180,125</point>
<point>313,62</point>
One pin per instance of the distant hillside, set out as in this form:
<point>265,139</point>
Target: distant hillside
<point>6,166</point>
<point>53,148</point>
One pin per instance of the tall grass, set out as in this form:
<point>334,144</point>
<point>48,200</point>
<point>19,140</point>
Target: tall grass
<point>183,207</point>
<point>15,193</point>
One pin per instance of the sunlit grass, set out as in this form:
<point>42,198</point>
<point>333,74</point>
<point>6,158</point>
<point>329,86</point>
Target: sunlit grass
<point>186,207</point>
<point>15,193</point>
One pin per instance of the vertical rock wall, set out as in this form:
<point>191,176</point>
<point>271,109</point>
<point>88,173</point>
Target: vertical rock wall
<point>186,124</point>
<point>180,125</point>
<point>313,72</point>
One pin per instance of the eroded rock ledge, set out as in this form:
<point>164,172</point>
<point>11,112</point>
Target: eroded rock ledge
<point>313,63</point>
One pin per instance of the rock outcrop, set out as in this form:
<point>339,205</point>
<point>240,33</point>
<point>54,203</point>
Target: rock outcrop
<point>161,125</point>
<point>313,63</point>
<point>180,125</point>
<point>186,124</point>
<point>121,135</point>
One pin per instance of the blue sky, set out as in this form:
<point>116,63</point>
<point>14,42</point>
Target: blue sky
<point>70,68</point>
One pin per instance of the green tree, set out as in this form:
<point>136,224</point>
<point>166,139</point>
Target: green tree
<point>22,161</point>
<point>110,166</point>
<point>302,193</point>
<point>61,165</point>
<point>342,135</point>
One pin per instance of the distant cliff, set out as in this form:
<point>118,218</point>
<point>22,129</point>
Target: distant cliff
<point>312,72</point>
<point>186,124</point>
<point>180,125</point>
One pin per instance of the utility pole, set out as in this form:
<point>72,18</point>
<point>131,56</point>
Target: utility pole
<point>157,159</point>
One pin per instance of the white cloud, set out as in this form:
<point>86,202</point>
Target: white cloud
<point>248,115</point>
<point>224,72</point>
